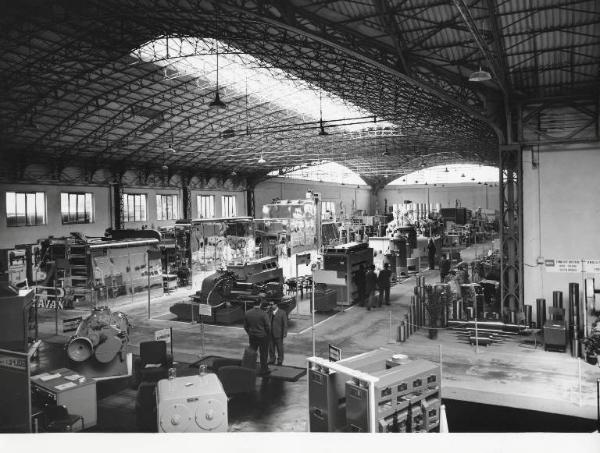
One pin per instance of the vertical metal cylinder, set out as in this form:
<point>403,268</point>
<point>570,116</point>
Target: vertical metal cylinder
<point>406,323</point>
<point>513,317</point>
<point>540,312</point>
<point>402,331</point>
<point>528,312</point>
<point>557,299</point>
<point>574,317</point>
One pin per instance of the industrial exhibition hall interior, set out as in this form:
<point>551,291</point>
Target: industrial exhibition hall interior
<point>300,216</point>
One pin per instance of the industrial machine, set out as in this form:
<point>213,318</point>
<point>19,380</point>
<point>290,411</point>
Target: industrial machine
<point>205,245</point>
<point>103,334</point>
<point>97,269</point>
<point>64,387</point>
<point>230,289</point>
<point>555,330</point>
<point>18,318</point>
<point>340,264</point>
<point>191,404</point>
<point>13,266</point>
<point>374,392</point>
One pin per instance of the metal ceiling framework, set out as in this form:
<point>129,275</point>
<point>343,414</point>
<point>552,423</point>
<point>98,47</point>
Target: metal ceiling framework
<point>72,91</point>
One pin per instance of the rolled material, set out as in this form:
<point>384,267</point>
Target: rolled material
<point>540,312</point>
<point>402,331</point>
<point>528,312</point>
<point>557,299</point>
<point>574,318</point>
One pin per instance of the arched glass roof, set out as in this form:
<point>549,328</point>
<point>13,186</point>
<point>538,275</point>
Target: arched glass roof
<point>457,173</point>
<point>326,172</point>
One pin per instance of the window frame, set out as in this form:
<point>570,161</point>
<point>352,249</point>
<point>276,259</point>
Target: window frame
<point>41,212</point>
<point>137,207</point>
<point>199,199</point>
<point>231,202</point>
<point>77,220</point>
<point>171,209</point>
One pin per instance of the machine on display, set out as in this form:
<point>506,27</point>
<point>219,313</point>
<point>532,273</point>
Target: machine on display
<point>103,335</point>
<point>374,392</point>
<point>210,244</point>
<point>230,289</point>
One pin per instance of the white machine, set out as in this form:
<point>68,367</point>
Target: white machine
<point>191,404</point>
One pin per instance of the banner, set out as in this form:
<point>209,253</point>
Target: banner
<point>335,354</point>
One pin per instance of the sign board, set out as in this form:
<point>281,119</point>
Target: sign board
<point>303,259</point>
<point>163,335</point>
<point>563,266</point>
<point>335,354</point>
<point>15,402</point>
<point>591,266</point>
<point>205,310</point>
<point>71,324</point>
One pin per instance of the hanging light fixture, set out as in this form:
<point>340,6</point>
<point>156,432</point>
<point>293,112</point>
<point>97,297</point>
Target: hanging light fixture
<point>462,176</point>
<point>385,152</point>
<point>217,103</point>
<point>446,170</point>
<point>261,159</point>
<point>480,76</point>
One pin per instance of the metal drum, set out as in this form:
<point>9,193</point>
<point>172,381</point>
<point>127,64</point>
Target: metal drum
<point>108,350</point>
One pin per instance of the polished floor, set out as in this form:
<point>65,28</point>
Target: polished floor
<point>512,374</point>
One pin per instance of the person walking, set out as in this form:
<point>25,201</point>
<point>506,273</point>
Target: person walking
<point>258,327</point>
<point>279,325</point>
<point>370,286</point>
<point>360,282</point>
<point>431,249</point>
<point>383,281</point>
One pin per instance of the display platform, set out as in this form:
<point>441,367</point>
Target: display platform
<point>278,372</point>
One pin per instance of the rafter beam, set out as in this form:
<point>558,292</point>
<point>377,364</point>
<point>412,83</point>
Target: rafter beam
<point>388,19</point>
<point>495,67</point>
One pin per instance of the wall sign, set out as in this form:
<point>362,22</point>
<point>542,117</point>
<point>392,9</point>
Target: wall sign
<point>163,335</point>
<point>572,266</point>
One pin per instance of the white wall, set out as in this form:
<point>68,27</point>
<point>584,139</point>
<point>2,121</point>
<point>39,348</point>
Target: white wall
<point>10,236</point>
<point>471,196</point>
<point>561,216</point>
<point>288,189</point>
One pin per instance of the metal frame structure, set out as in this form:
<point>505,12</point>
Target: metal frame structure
<point>511,228</point>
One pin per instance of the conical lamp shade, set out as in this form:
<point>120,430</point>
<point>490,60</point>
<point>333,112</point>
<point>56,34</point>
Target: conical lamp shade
<point>217,103</point>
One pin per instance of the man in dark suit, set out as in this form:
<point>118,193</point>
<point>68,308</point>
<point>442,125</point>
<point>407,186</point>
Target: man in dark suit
<point>370,286</point>
<point>279,324</point>
<point>383,281</point>
<point>360,282</point>
<point>258,328</point>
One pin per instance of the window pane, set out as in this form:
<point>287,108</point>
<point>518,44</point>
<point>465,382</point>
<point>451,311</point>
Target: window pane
<point>30,206</point>
<point>89,208</point>
<point>130,208</point>
<point>159,215</point>
<point>11,209</point>
<point>142,208</point>
<point>64,207</point>
<point>40,207</point>
<point>80,208</point>
<point>20,208</point>
<point>175,207</point>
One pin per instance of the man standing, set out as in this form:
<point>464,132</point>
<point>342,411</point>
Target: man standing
<point>279,324</point>
<point>431,249</point>
<point>258,328</point>
<point>360,281</point>
<point>383,281</point>
<point>371,285</point>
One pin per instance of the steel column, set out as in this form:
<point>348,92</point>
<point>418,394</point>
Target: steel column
<point>511,228</point>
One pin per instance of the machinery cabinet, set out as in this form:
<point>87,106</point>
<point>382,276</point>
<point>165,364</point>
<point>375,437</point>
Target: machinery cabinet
<point>65,387</point>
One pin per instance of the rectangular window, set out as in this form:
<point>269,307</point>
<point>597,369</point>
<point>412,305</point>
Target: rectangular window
<point>206,206</point>
<point>228,208</point>
<point>134,207</point>
<point>328,209</point>
<point>76,208</point>
<point>25,208</point>
<point>167,207</point>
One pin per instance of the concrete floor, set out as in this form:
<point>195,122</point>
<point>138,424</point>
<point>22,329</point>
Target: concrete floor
<point>512,373</point>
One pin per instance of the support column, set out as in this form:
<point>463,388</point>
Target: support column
<point>186,195</point>
<point>118,214</point>
<point>250,204</point>
<point>511,228</point>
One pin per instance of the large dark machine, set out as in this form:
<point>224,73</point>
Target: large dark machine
<point>230,290</point>
<point>103,335</point>
<point>18,318</point>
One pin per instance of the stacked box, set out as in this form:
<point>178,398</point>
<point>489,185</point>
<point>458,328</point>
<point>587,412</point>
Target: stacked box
<point>431,412</point>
